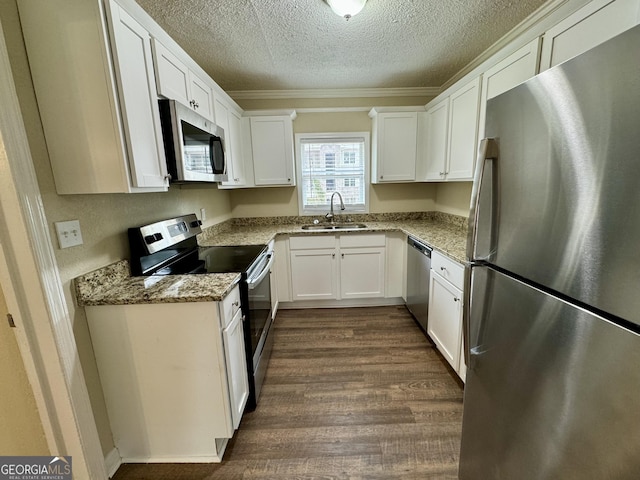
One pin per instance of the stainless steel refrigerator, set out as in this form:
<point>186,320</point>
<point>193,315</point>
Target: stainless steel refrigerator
<point>553,329</point>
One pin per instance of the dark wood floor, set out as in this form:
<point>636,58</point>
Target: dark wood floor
<point>355,393</point>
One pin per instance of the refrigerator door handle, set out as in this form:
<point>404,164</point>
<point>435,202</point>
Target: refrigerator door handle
<point>488,151</point>
<point>466,326</point>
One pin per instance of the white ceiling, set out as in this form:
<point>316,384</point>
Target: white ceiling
<point>302,44</point>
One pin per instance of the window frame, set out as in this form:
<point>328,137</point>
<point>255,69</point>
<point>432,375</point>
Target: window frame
<point>341,136</point>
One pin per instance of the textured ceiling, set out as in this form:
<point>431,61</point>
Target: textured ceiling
<point>302,44</point>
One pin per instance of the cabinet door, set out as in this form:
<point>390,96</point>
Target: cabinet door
<point>508,73</point>
<point>436,141</point>
<point>362,272</point>
<point>464,106</point>
<point>234,138</point>
<point>314,274</point>
<point>272,147</point>
<point>396,147</point>
<point>593,24</point>
<point>202,96</point>
<point>236,362</point>
<point>172,76</point>
<point>138,101</point>
<point>445,318</point>
<point>230,121</point>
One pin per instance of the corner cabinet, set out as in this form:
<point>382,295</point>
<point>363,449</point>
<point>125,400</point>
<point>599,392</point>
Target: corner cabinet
<point>93,74</point>
<point>444,325</point>
<point>394,144</point>
<point>175,391</point>
<point>270,149</point>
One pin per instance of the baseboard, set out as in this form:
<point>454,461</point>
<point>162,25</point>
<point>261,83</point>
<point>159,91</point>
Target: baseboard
<point>112,462</point>
<point>365,302</point>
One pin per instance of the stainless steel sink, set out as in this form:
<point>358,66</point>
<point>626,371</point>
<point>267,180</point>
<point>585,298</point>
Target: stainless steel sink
<point>334,226</point>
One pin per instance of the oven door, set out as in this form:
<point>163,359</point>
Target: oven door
<point>259,293</point>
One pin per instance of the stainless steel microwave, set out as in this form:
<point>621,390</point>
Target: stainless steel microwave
<point>194,146</point>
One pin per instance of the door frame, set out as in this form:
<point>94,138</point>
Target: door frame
<point>30,280</point>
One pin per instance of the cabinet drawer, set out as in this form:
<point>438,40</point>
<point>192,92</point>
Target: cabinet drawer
<point>348,240</point>
<point>306,242</point>
<point>229,306</point>
<point>448,269</point>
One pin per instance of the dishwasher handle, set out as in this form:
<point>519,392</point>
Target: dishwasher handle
<point>421,247</point>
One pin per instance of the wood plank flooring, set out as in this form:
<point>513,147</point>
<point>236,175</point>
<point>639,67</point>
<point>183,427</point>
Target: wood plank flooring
<point>356,393</point>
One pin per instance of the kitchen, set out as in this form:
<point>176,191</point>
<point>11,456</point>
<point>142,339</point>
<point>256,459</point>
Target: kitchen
<point>103,231</point>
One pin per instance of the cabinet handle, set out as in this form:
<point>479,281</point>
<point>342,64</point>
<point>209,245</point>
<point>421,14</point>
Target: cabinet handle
<point>442,174</point>
<point>456,299</point>
<point>288,180</point>
<point>236,180</point>
<point>235,304</point>
<point>168,177</point>
<point>444,269</point>
<point>333,255</point>
<point>343,255</point>
<point>381,177</point>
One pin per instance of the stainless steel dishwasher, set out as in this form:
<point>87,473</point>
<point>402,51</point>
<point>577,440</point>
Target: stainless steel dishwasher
<point>418,273</point>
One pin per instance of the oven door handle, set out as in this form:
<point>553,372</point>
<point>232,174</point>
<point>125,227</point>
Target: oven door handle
<point>254,280</point>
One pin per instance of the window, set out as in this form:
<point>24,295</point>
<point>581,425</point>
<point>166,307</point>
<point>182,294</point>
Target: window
<point>328,163</point>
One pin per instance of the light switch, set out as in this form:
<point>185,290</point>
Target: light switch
<point>69,234</point>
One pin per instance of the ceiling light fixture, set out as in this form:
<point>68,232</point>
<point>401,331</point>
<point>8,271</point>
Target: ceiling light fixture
<point>346,8</point>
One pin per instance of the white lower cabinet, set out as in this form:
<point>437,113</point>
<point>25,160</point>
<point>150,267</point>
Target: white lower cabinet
<point>174,377</point>
<point>444,325</point>
<point>337,267</point>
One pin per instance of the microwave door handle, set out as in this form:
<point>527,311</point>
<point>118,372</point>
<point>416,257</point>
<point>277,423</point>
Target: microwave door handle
<point>211,158</point>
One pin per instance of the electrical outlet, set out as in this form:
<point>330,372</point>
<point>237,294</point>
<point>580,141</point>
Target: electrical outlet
<point>69,234</point>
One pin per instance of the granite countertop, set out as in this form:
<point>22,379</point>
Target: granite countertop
<point>114,285</point>
<point>447,237</point>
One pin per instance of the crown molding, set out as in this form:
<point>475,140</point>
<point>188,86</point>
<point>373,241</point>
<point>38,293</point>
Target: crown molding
<point>335,93</point>
<point>532,26</point>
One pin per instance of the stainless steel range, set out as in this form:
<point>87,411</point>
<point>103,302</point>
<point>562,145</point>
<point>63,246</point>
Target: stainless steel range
<point>169,247</point>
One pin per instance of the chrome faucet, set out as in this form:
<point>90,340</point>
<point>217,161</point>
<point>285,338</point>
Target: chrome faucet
<point>329,216</point>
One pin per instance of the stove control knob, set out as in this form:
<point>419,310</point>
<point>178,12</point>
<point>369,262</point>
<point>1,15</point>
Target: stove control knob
<point>155,237</point>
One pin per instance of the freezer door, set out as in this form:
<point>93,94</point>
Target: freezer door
<point>552,390</point>
<point>561,204</point>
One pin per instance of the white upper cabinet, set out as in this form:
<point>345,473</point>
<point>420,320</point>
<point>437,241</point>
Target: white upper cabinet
<point>272,156</point>
<point>431,164</point>
<point>451,136</point>
<point>518,67</point>
<point>593,24</point>
<point>96,97</point>
<point>230,122</point>
<point>394,146</point>
<point>177,82</point>
<point>464,108</point>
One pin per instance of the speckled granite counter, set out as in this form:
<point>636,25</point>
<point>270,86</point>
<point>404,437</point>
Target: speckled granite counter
<point>114,285</point>
<point>446,233</point>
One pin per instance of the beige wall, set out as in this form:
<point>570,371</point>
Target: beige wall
<point>454,198</point>
<point>21,431</point>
